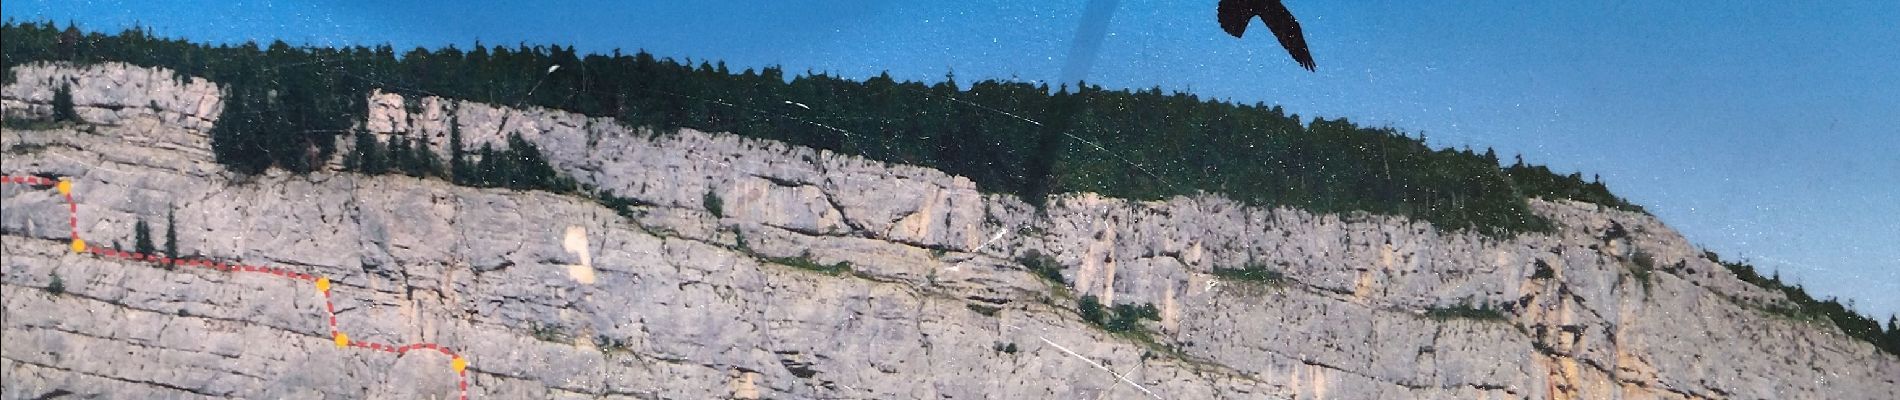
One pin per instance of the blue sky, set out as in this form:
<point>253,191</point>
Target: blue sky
<point>1767,130</point>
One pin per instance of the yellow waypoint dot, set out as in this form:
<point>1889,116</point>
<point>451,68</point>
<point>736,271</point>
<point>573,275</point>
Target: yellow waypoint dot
<point>79,245</point>
<point>323,284</point>
<point>65,186</point>
<point>342,340</point>
<point>459,364</point>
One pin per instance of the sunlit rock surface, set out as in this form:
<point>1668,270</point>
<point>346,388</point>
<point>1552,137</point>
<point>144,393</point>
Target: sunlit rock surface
<point>556,296</point>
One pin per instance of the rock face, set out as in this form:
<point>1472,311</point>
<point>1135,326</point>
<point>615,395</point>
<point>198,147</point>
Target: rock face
<point>555,296</point>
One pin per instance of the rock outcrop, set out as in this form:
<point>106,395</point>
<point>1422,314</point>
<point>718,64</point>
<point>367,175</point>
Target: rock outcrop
<point>557,296</point>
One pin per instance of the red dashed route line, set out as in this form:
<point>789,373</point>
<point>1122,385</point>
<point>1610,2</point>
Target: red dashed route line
<point>323,286</point>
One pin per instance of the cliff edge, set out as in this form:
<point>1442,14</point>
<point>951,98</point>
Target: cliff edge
<point>704,265</point>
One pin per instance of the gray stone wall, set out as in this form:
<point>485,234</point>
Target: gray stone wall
<point>552,296</point>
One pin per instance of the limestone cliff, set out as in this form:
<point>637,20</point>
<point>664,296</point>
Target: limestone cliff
<point>558,296</point>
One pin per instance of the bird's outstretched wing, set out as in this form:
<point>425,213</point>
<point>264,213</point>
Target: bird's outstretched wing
<point>1235,14</point>
<point>1287,29</point>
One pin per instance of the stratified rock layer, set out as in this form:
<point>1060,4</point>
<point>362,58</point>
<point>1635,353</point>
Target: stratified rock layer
<point>556,296</point>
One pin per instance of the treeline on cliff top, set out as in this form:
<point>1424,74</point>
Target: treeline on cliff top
<point>1803,306</point>
<point>287,105</point>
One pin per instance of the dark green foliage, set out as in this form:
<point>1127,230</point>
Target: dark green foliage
<point>738,241</point>
<point>621,205</point>
<point>1539,181</point>
<point>547,333</point>
<point>1091,310</point>
<point>284,104</point>
<point>142,239</point>
<point>1043,266</point>
<point>1891,343</point>
<point>805,262</point>
<point>57,286</point>
<point>402,157</point>
<point>713,204</point>
<point>24,148</point>
<point>460,170</point>
<point>1252,272</point>
<point>287,104</point>
<point>519,167</point>
<point>366,155</point>
<point>11,123</point>
<point>987,311</point>
<point>425,163</point>
<point>1127,317</point>
<point>1644,266</point>
<point>1122,318</point>
<point>1744,272</point>
<point>1801,305</point>
<point>63,108</point>
<point>1616,231</point>
<point>415,159</point>
<point>609,344</point>
<point>69,42</point>
<point>1005,348</point>
<point>488,169</point>
<point>171,237</point>
<point>1544,271</point>
<point>1465,310</point>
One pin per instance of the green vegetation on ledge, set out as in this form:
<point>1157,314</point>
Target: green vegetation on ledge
<point>1122,318</point>
<point>805,262</point>
<point>1805,307</point>
<point>1539,181</point>
<point>1482,312</point>
<point>1043,266</point>
<point>1252,272</point>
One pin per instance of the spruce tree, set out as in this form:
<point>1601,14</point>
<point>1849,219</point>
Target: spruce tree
<point>171,236</point>
<point>401,159</point>
<point>487,168</point>
<point>142,239</point>
<point>68,45</point>
<point>63,107</point>
<point>231,138</point>
<point>369,155</point>
<point>1893,335</point>
<point>459,169</point>
<point>427,163</point>
<point>353,161</point>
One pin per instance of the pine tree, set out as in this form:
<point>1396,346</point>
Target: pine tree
<point>353,161</point>
<point>460,171</point>
<point>1893,335</point>
<point>401,158</point>
<point>371,159</point>
<point>63,107</point>
<point>171,236</point>
<point>142,239</point>
<point>487,168</point>
<point>68,45</point>
<point>427,163</point>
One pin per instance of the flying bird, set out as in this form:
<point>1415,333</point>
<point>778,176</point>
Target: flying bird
<point>1236,14</point>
